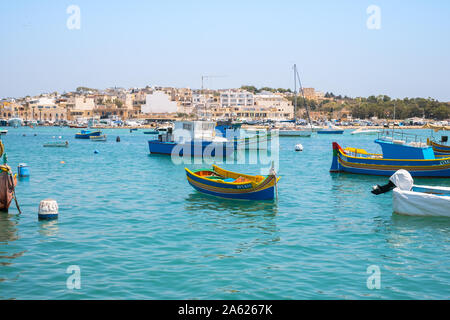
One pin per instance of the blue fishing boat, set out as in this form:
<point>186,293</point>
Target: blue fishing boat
<point>87,134</point>
<point>231,185</point>
<point>331,130</point>
<point>151,132</point>
<point>416,157</point>
<point>191,138</point>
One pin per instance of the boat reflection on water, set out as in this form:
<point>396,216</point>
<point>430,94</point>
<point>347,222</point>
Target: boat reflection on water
<point>8,230</point>
<point>197,202</point>
<point>254,221</point>
<point>48,228</point>
<point>8,233</point>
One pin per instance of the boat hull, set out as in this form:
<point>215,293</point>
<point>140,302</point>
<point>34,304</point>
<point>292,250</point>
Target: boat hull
<point>294,133</point>
<point>414,203</point>
<point>98,138</point>
<point>195,149</point>
<point>246,191</point>
<point>56,145</point>
<point>87,135</point>
<point>330,132</point>
<point>6,187</point>
<point>342,162</point>
<point>440,150</point>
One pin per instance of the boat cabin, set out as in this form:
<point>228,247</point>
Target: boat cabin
<point>188,131</point>
<point>400,149</point>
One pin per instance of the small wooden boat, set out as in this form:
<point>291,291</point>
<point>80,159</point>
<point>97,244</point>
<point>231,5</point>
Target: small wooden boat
<point>57,144</point>
<point>226,184</point>
<point>98,138</point>
<point>415,200</point>
<point>87,134</point>
<point>3,132</point>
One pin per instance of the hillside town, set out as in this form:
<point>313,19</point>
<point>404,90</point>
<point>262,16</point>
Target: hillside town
<point>119,106</point>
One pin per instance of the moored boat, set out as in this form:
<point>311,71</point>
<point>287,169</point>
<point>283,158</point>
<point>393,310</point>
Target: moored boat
<point>232,185</point>
<point>78,126</point>
<point>8,182</point>
<point>294,132</point>
<point>440,150</point>
<point>416,200</point>
<point>57,144</point>
<point>365,131</point>
<point>15,122</point>
<point>98,138</point>
<point>415,157</point>
<point>86,134</point>
<point>191,138</point>
<point>151,132</point>
<point>331,129</point>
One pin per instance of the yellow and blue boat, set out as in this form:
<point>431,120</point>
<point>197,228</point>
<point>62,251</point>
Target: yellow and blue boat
<point>232,185</point>
<point>419,160</point>
<point>87,134</point>
<point>440,150</point>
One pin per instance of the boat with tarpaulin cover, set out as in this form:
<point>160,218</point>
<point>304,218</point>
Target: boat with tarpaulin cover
<point>416,200</point>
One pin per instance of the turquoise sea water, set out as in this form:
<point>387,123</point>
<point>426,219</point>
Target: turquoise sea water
<point>137,230</point>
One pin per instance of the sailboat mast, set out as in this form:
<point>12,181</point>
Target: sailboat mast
<point>303,96</point>
<point>295,93</point>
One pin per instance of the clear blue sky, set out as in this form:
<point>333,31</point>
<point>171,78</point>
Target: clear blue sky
<point>172,43</point>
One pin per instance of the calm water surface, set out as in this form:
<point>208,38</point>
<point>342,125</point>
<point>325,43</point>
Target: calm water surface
<point>137,230</point>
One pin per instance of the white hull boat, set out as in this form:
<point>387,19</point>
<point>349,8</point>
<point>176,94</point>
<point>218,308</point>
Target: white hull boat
<point>415,200</point>
<point>294,133</point>
<point>365,131</point>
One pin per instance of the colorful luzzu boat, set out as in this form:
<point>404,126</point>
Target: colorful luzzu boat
<point>87,134</point>
<point>440,150</point>
<point>226,184</point>
<point>418,159</point>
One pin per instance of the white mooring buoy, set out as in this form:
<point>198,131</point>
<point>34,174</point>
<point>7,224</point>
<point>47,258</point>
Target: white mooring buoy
<point>299,147</point>
<point>48,209</point>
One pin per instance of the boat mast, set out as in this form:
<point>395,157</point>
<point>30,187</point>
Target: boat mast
<point>295,94</point>
<point>303,96</point>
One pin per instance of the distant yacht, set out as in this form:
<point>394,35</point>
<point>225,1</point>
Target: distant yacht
<point>15,122</point>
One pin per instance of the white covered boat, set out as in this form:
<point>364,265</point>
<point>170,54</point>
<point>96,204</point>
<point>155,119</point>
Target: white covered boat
<point>415,200</point>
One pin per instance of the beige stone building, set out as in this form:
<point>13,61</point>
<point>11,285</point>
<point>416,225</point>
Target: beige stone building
<point>275,105</point>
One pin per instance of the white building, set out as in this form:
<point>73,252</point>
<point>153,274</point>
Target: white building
<point>278,107</point>
<point>159,102</point>
<point>236,98</point>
